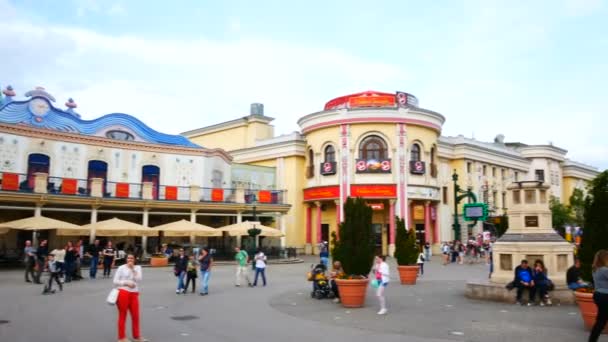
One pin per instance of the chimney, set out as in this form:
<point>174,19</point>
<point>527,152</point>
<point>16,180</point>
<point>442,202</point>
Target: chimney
<point>257,109</point>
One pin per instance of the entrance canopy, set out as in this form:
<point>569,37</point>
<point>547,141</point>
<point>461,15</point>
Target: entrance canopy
<point>187,228</point>
<point>118,227</point>
<point>241,229</point>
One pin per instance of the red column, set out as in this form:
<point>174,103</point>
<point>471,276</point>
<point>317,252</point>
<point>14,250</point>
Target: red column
<point>436,238</point>
<point>391,220</point>
<point>427,221</point>
<point>308,224</point>
<point>410,219</point>
<point>338,220</point>
<point>318,222</point>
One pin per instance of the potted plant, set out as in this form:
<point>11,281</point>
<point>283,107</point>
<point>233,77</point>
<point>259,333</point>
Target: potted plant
<point>355,250</point>
<point>159,260</point>
<point>595,238</point>
<point>406,253</point>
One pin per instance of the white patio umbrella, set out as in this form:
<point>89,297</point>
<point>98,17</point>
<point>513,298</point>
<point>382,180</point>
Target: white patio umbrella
<point>118,227</point>
<point>241,229</point>
<point>187,228</point>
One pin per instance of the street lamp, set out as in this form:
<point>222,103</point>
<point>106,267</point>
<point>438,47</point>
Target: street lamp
<point>254,232</point>
<point>457,198</point>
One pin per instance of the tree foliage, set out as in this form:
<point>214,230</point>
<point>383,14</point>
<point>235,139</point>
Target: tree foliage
<point>595,233</point>
<point>406,245</point>
<point>561,215</point>
<point>577,207</point>
<point>356,245</point>
<point>502,227</point>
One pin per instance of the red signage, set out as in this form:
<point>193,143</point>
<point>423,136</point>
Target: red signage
<point>328,168</point>
<point>374,191</point>
<point>10,181</point>
<point>373,166</point>
<point>217,195</point>
<point>417,167</point>
<point>122,190</point>
<point>68,186</point>
<point>376,206</point>
<point>372,101</point>
<point>323,192</point>
<point>171,193</point>
<point>264,196</point>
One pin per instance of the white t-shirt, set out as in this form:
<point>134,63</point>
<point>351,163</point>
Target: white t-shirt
<point>420,258</point>
<point>260,260</point>
<point>124,275</point>
<point>384,271</point>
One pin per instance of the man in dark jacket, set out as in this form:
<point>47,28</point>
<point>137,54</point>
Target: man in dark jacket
<point>181,267</point>
<point>573,276</point>
<point>524,280</point>
<point>41,254</point>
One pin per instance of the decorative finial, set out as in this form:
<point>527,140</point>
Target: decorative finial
<point>9,92</point>
<point>71,104</point>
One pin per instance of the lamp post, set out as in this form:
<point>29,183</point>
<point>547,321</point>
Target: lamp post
<point>457,199</point>
<point>254,232</point>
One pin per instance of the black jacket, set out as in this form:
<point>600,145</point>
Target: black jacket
<point>181,264</point>
<point>573,275</point>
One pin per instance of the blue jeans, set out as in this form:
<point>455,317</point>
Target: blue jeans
<point>180,280</point>
<point>576,286</point>
<point>427,254</point>
<point>70,266</point>
<point>93,267</point>
<point>258,271</point>
<point>205,282</point>
<point>325,261</point>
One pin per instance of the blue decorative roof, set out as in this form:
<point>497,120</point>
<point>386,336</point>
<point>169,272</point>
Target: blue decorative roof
<point>39,112</point>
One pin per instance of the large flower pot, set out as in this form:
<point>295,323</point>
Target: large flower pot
<point>352,292</point>
<point>408,274</point>
<point>159,262</point>
<point>588,309</point>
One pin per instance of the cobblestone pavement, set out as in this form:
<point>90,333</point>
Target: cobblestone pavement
<point>433,310</point>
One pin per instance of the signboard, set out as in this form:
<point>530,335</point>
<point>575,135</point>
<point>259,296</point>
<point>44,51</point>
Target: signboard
<point>374,191</point>
<point>122,190</point>
<point>376,206</point>
<point>68,186</point>
<point>10,181</point>
<point>417,167</point>
<point>406,100</point>
<point>418,213</point>
<point>217,195</point>
<point>323,192</point>
<point>531,221</point>
<point>371,101</point>
<point>328,168</point>
<point>475,211</point>
<point>373,166</point>
<point>264,196</point>
<point>171,193</point>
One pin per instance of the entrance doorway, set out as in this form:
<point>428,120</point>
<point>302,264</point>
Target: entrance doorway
<point>36,162</point>
<point>420,234</point>
<point>151,173</point>
<point>325,232</point>
<point>377,229</point>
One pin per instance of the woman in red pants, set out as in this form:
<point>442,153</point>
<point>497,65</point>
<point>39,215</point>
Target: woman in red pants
<point>126,279</point>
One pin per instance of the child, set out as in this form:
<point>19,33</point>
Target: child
<point>420,263</point>
<point>190,274</point>
<point>54,275</point>
<point>381,272</point>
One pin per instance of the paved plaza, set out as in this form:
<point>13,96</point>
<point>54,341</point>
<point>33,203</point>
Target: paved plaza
<point>433,310</point>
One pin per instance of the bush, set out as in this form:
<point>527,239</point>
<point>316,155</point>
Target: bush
<point>595,230</point>
<point>406,245</point>
<point>355,248</point>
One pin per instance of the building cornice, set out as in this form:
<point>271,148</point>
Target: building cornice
<point>578,170</point>
<point>471,151</point>
<point>266,151</point>
<point>41,133</point>
<point>228,125</point>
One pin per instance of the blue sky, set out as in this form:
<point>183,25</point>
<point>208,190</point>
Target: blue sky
<point>534,71</point>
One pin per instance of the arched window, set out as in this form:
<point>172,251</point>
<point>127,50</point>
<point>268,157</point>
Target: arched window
<point>151,173</point>
<point>432,155</point>
<point>415,153</point>
<point>36,162</point>
<point>310,170</point>
<point>330,154</point>
<point>373,148</point>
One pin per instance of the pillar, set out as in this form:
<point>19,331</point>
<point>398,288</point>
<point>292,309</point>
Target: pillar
<point>144,239</point>
<point>37,213</point>
<point>195,193</point>
<point>96,187</point>
<point>410,219</point>
<point>93,220</point>
<point>239,219</point>
<point>308,247</point>
<point>146,190</point>
<point>436,237</point>
<point>281,222</point>
<point>193,220</point>
<point>391,232</point>
<point>338,219</point>
<point>318,225</point>
<point>41,181</point>
<point>427,221</point>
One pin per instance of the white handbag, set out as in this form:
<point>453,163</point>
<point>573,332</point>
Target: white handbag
<point>112,297</point>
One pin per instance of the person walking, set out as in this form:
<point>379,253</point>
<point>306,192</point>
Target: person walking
<point>79,255</point>
<point>445,249</point>
<point>205,261</point>
<point>191,274</point>
<point>109,253</point>
<point>70,261</point>
<point>600,295</point>
<point>59,254</point>
<point>324,254</point>
<point>181,268</point>
<point>41,253</point>
<point>29,253</point>
<point>127,279</point>
<point>427,251</point>
<point>420,262</point>
<point>242,258</point>
<point>382,273</point>
<point>260,267</point>
<point>94,251</point>
<point>54,275</point>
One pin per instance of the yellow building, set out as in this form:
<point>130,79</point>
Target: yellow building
<point>385,148</point>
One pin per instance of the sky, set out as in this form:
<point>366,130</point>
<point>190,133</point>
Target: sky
<point>535,71</point>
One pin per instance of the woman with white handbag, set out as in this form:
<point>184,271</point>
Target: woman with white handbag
<point>126,282</point>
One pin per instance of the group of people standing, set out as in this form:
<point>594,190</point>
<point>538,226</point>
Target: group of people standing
<point>471,252</point>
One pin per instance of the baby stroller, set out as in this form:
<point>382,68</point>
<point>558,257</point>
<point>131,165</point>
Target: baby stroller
<point>320,284</point>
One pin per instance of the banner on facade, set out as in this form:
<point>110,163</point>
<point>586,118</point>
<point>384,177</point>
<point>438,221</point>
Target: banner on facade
<point>68,186</point>
<point>328,168</point>
<point>417,167</point>
<point>264,196</point>
<point>373,190</point>
<point>323,192</point>
<point>171,193</point>
<point>373,166</point>
<point>371,101</point>
<point>217,195</point>
<point>10,181</point>
<point>122,190</point>
<point>418,212</point>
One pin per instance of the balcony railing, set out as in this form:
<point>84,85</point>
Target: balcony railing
<point>98,187</point>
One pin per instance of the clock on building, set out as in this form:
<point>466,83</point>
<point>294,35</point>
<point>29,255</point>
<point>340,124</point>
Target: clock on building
<point>39,107</point>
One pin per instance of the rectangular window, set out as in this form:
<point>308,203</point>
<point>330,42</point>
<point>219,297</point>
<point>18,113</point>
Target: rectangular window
<point>504,200</point>
<point>469,167</point>
<point>539,175</point>
<point>493,172</point>
<point>217,178</point>
<point>495,198</point>
<point>445,195</point>
<point>502,174</point>
<point>516,196</point>
<point>516,176</point>
<point>484,170</point>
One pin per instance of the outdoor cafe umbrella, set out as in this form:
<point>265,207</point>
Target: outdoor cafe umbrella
<point>4,231</point>
<point>187,228</point>
<point>36,223</point>
<point>118,227</point>
<point>241,229</point>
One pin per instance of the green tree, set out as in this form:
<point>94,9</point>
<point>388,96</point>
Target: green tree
<point>561,215</point>
<point>595,233</point>
<point>355,248</point>
<point>406,245</point>
<point>502,227</point>
<point>577,207</point>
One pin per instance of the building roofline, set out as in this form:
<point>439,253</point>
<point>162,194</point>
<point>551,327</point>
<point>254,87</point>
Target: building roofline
<point>227,124</point>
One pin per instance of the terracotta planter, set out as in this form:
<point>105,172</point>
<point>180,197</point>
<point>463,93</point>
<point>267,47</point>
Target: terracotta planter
<point>588,309</point>
<point>159,262</point>
<point>352,292</point>
<point>408,274</point>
